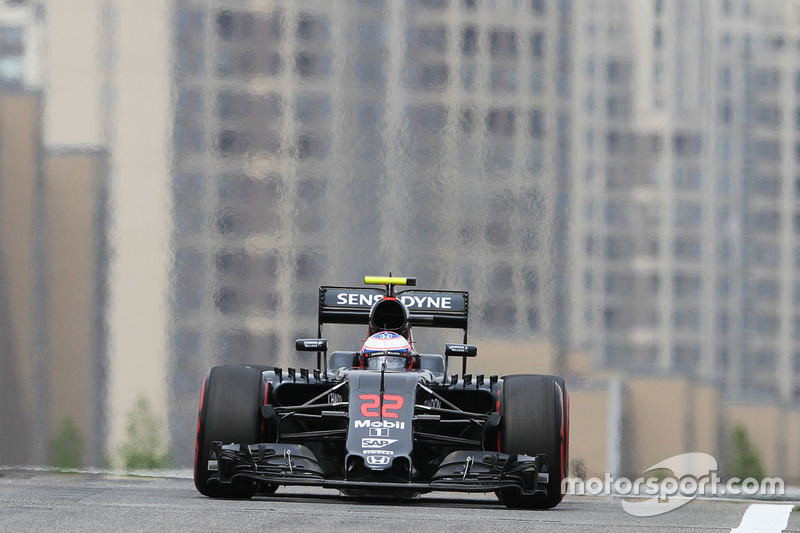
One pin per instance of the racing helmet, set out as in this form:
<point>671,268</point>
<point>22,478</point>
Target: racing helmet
<point>386,348</point>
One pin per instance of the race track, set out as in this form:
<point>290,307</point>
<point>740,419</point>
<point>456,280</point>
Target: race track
<point>40,501</point>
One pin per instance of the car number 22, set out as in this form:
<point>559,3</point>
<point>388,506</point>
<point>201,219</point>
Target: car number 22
<point>372,405</point>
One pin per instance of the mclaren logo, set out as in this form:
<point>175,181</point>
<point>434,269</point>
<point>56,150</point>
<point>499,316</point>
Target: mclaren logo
<point>376,443</point>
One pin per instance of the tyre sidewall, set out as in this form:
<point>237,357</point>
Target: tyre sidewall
<point>229,412</point>
<point>534,409</point>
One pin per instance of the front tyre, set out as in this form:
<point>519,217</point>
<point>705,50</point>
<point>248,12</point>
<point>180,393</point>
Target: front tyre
<point>229,413</point>
<point>535,420</point>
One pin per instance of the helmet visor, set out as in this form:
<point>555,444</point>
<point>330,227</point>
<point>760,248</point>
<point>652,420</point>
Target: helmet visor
<point>393,361</point>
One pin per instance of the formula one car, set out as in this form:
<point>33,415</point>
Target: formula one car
<point>385,420</point>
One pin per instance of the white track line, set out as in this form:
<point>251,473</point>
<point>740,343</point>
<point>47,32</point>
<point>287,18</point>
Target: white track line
<point>764,518</point>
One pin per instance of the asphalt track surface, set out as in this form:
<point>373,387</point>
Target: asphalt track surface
<point>40,501</point>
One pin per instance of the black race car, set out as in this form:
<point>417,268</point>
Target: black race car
<point>386,420</point>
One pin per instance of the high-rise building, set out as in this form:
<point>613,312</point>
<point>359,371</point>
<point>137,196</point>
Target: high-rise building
<point>684,232</point>
<point>640,289</point>
<point>106,129</point>
<point>20,341</point>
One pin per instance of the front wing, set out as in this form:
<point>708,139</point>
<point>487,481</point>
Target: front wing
<point>294,464</point>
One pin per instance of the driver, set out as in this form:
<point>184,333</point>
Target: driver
<point>389,348</point>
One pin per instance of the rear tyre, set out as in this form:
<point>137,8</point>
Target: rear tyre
<point>229,413</point>
<point>535,420</point>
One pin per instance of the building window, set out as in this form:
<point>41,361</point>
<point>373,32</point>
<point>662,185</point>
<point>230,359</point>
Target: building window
<point>432,38</point>
<point>369,34</point>
<point>618,107</point>
<point>658,37</point>
<point>687,319</point>
<point>686,144</point>
<point>618,213</point>
<point>311,28</point>
<point>227,301</point>
<point>618,247</point>
<point>537,45</point>
<point>503,43</point>
<point>503,78</point>
<point>536,123</point>
<point>618,285</point>
<point>433,4</point>
<point>426,118</point>
<point>308,65</point>
<point>12,41</point>
<point>467,75</point>
<point>309,109</point>
<point>370,72</point>
<point>762,222</point>
<point>687,214</point>
<point>501,121</point>
<point>467,120</point>
<point>686,356</point>
<point>612,318</point>
<point>688,178</point>
<point>469,40</point>
<point>618,73</point>
<point>12,49</point>
<point>231,142</point>
<point>312,146</point>
<point>687,284</point>
<point>500,315</point>
<point>688,248</point>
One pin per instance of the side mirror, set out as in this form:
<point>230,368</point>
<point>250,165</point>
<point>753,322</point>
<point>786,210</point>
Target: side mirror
<point>460,350</point>
<point>311,345</point>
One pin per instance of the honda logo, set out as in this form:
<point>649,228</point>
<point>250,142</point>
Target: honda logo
<point>378,460</point>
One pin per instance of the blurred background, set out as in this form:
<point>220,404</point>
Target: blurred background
<point>616,182</point>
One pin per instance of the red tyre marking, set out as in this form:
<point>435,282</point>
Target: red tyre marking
<point>566,430</point>
<point>562,433</point>
<point>266,392</point>
<point>498,411</point>
<point>199,414</point>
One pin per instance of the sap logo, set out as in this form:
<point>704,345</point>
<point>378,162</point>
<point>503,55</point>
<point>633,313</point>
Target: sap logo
<point>378,460</point>
<point>388,424</point>
<point>378,432</point>
<point>376,443</point>
<point>428,302</point>
<point>349,298</point>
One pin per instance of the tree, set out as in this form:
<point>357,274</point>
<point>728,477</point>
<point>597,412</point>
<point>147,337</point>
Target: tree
<point>143,448</point>
<point>745,459</point>
<point>66,447</point>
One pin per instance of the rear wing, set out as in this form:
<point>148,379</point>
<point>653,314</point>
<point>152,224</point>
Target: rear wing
<point>433,309</point>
